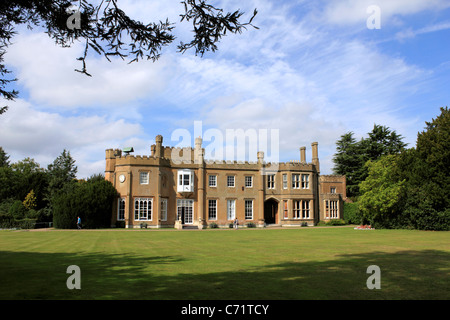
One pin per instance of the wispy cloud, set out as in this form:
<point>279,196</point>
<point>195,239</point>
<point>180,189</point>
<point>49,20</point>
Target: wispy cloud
<point>410,33</point>
<point>306,72</point>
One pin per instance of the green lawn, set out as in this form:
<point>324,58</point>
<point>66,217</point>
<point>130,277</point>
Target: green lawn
<point>303,263</point>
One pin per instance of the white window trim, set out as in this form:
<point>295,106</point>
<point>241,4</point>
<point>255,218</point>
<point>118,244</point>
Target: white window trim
<point>185,187</point>
<point>234,181</point>
<point>164,203</point>
<point>305,183</point>
<point>245,209</point>
<point>296,182</point>
<point>250,178</point>
<point>214,180</point>
<point>306,209</point>
<point>285,181</point>
<point>188,203</point>
<point>231,209</point>
<point>271,181</point>
<point>333,209</point>
<point>141,174</point>
<point>118,209</point>
<point>149,211</point>
<point>215,207</point>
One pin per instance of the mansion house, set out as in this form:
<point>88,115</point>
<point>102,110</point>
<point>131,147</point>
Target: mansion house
<point>161,191</point>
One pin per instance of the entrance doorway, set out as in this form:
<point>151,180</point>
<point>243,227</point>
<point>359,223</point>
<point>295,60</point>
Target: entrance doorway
<point>271,211</point>
<point>185,211</point>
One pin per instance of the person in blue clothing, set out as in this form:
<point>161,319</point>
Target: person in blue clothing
<point>79,223</point>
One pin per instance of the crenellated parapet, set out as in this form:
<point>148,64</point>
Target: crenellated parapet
<point>192,157</point>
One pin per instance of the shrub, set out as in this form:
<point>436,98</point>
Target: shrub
<point>336,222</point>
<point>352,214</point>
<point>251,225</point>
<point>25,223</point>
<point>91,200</point>
<point>17,210</point>
<point>6,221</point>
<point>213,225</point>
<point>120,224</point>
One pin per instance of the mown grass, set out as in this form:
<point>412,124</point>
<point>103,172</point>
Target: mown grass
<point>307,263</point>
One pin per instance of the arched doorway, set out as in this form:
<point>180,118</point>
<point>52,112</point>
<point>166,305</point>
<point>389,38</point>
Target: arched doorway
<point>271,211</point>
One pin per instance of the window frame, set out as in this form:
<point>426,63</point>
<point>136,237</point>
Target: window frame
<point>285,181</point>
<point>231,209</point>
<point>228,181</point>
<point>248,215</point>
<point>210,217</point>
<point>120,209</point>
<point>296,181</point>
<point>212,180</point>
<point>248,179</point>
<point>305,182</point>
<point>271,181</point>
<point>147,209</point>
<point>164,203</point>
<point>147,177</point>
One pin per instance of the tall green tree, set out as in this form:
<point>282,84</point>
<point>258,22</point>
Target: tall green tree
<point>351,155</point>
<point>427,172</point>
<point>348,161</point>
<point>382,141</point>
<point>61,173</point>
<point>63,170</point>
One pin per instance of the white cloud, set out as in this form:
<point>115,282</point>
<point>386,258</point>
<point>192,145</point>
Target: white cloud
<point>47,72</point>
<point>27,132</point>
<point>350,12</point>
<point>293,74</point>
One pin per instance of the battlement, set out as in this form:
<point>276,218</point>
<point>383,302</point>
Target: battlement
<point>182,156</point>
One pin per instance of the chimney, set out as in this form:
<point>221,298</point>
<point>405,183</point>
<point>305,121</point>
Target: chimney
<point>198,151</point>
<point>315,155</point>
<point>159,148</point>
<point>260,157</point>
<point>303,154</point>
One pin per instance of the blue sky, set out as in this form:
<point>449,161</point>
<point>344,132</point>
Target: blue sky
<point>312,72</point>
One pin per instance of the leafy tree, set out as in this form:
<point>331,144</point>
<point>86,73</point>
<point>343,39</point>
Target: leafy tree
<point>381,191</point>
<point>105,28</point>
<point>30,201</point>
<point>426,169</point>
<point>17,210</point>
<point>8,185</point>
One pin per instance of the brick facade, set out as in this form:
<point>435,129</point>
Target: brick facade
<point>176,187</point>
